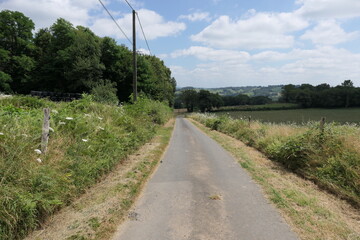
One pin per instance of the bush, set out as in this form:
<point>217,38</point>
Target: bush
<point>88,140</point>
<point>330,156</point>
<point>105,92</point>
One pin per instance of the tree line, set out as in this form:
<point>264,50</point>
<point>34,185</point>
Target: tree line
<point>64,58</point>
<point>323,95</point>
<point>205,101</point>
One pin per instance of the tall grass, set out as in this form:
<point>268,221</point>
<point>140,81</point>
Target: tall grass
<point>330,157</point>
<point>87,141</point>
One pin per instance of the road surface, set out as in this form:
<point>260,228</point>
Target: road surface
<point>199,192</point>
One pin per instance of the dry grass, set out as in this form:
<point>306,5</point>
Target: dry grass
<point>282,130</point>
<point>311,212</point>
<point>98,212</point>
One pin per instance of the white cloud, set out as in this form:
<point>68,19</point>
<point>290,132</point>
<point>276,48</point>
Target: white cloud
<point>210,54</point>
<point>323,64</point>
<point>44,13</point>
<point>197,16</point>
<point>328,32</point>
<point>154,26</point>
<point>318,9</point>
<point>262,30</point>
<point>135,4</point>
<point>143,51</point>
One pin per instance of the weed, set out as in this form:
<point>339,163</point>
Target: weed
<point>326,156</point>
<point>31,190</point>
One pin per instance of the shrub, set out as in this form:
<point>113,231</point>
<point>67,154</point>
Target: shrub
<point>329,156</point>
<point>89,139</point>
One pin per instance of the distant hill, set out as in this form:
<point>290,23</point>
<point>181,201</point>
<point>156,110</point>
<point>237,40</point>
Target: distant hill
<point>272,91</point>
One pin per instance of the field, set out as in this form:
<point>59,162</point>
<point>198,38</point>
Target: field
<point>342,115</point>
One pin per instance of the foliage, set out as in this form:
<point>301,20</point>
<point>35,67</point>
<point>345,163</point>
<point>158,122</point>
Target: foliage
<point>330,157</point>
<point>272,92</point>
<point>64,58</point>
<point>16,51</point>
<point>206,101</point>
<point>105,92</point>
<point>344,95</point>
<point>284,113</point>
<point>87,141</point>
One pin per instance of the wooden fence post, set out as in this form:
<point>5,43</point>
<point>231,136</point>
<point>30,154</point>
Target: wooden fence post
<point>249,121</point>
<point>322,123</point>
<point>45,130</point>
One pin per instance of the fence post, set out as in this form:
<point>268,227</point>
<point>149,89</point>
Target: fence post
<point>45,130</point>
<point>322,123</point>
<point>249,121</point>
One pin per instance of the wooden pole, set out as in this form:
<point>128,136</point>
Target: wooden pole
<point>134,60</point>
<point>322,123</point>
<point>45,130</point>
<point>249,121</point>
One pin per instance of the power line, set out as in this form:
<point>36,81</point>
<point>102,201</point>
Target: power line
<point>129,5</point>
<point>142,29</point>
<point>147,44</point>
<point>115,20</point>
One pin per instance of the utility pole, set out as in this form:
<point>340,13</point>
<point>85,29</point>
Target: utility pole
<point>134,60</point>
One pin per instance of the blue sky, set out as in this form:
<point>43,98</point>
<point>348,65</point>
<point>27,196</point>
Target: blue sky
<point>219,43</point>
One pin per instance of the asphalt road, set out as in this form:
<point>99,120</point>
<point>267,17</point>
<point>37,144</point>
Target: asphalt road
<point>199,192</point>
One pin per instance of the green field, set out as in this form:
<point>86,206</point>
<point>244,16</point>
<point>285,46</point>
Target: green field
<point>342,115</point>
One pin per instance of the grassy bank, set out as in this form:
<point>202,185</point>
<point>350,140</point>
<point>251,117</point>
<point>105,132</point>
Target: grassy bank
<point>298,116</point>
<point>312,213</point>
<point>330,157</point>
<point>87,141</point>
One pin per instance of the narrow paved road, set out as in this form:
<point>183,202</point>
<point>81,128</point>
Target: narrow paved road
<point>199,192</point>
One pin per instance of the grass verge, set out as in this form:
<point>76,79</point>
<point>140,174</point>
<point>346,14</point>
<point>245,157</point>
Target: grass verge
<point>98,213</point>
<point>312,213</point>
<point>87,141</point>
<point>327,155</point>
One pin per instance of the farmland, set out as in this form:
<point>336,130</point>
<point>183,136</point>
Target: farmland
<point>299,116</point>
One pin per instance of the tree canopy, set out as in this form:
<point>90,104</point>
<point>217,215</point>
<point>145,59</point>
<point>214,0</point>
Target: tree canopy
<point>64,58</point>
<point>344,95</point>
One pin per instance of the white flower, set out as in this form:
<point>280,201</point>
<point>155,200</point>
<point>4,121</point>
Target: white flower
<point>100,118</point>
<point>69,118</point>
<point>1,133</point>
<point>39,160</point>
<point>101,128</point>
<point>54,111</point>
<point>84,140</point>
<point>87,115</point>
<point>24,135</point>
<point>38,151</point>
<point>51,129</point>
<point>62,123</point>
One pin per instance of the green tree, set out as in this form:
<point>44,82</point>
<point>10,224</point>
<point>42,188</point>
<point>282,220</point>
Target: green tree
<point>16,51</point>
<point>190,99</point>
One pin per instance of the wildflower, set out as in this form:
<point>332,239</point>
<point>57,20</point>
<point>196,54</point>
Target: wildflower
<point>39,160</point>
<point>54,111</point>
<point>51,129</point>
<point>87,115</point>
<point>85,140</point>
<point>1,133</point>
<point>69,118</point>
<point>38,151</point>
<point>101,128</point>
<point>24,135</point>
<point>100,118</point>
<point>62,123</point>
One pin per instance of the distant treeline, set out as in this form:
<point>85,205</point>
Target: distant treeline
<point>206,101</point>
<point>344,95</point>
<point>64,58</point>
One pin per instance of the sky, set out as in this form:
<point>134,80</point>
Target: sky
<point>222,43</point>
